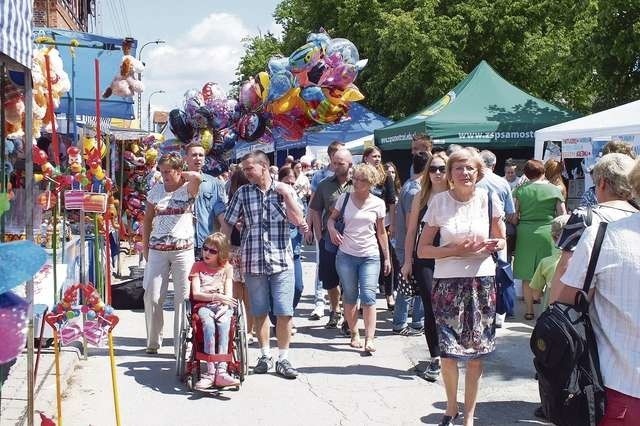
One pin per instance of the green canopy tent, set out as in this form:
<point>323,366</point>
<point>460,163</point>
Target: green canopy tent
<point>483,110</point>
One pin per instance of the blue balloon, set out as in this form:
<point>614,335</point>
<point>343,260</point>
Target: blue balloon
<point>19,262</point>
<point>280,84</point>
<point>278,64</point>
<point>312,94</point>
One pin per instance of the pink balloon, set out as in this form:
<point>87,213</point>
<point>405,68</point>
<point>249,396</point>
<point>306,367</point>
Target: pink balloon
<point>13,326</point>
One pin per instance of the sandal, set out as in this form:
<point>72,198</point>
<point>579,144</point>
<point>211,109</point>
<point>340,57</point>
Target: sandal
<point>369,347</point>
<point>529,316</point>
<point>355,340</point>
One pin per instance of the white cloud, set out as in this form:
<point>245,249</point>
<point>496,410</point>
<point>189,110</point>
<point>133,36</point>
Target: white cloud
<point>208,51</point>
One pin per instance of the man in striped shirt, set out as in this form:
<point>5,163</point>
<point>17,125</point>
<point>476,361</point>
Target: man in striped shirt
<point>266,207</point>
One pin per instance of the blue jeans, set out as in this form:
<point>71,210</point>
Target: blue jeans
<point>271,292</point>
<point>209,326</point>
<point>401,312</point>
<point>359,277</point>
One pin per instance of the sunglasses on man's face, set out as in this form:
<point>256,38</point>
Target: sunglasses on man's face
<point>433,169</point>
<point>209,249</point>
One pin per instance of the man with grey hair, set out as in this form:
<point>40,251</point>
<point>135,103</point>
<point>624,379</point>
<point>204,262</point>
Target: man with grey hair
<point>614,194</point>
<point>498,185</point>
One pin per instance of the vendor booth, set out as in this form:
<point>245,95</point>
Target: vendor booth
<point>483,110</point>
<point>578,143</point>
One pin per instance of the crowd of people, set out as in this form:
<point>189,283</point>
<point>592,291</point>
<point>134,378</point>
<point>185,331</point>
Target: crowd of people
<point>427,245</point>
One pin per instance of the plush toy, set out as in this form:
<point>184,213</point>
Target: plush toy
<point>14,109</point>
<point>126,83</point>
<point>60,84</point>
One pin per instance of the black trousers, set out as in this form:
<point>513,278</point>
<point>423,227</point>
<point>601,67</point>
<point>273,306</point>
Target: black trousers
<point>423,273</point>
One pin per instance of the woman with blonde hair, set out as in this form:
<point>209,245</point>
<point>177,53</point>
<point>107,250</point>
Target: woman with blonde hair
<point>432,182</point>
<point>464,293</point>
<point>358,259</point>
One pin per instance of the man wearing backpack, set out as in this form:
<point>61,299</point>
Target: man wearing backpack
<point>614,309</point>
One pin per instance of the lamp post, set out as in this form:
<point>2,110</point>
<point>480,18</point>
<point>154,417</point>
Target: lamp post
<point>140,76</point>
<point>149,109</point>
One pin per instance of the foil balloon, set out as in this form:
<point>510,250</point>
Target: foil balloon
<point>251,126</point>
<point>291,129</point>
<point>277,64</point>
<point>263,83</point>
<point>13,326</point>
<point>19,261</point>
<point>171,145</point>
<point>179,125</point>
<point>345,48</point>
<point>306,56</point>
<point>229,138</point>
<point>211,92</point>
<point>221,111</point>
<point>286,103</point>
<point>320,39</point>
<point>248,96</point>
<point>281,83</point>
<point>312,94</point>
<point>206,139</point>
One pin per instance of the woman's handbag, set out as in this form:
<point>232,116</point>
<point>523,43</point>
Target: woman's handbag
<point>339,225</point>
<point>407,287</point>
<point>505,285</point>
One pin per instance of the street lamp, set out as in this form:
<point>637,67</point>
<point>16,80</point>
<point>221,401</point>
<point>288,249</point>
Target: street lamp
<point>149,108</point>
<point>140,76</point>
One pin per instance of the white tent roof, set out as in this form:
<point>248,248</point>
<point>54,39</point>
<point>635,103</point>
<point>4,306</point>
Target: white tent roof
<point>621,120</point>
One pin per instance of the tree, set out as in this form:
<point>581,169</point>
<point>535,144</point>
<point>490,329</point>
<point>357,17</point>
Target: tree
<point>258,51</point>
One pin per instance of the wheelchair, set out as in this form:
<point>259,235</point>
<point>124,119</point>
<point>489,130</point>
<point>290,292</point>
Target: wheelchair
<point>191,353</point>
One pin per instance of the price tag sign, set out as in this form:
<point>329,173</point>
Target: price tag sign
<point>576,148</point>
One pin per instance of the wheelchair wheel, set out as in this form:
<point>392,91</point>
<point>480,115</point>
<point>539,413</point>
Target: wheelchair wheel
<point>241,344</point>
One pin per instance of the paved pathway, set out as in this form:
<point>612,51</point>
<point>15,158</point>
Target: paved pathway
<point>337,385</point>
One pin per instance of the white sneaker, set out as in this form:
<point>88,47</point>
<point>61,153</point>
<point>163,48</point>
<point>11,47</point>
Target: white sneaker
<point>500,320</point>
<point>317,313</point>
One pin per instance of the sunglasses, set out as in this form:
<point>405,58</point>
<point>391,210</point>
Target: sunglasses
<point>441,169</point>
<point>209,249</point>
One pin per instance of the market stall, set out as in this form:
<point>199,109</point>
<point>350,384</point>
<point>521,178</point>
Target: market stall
<point>483,110</point>
<point>578,143</point>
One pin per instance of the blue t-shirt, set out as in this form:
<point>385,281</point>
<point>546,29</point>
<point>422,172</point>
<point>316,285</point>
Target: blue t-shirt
<point>403,207</point>
<point>499,185</point>
<point>318,177</point>
<point>210,202</point>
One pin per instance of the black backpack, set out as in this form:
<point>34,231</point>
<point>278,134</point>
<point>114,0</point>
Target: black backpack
<point>566,357</point>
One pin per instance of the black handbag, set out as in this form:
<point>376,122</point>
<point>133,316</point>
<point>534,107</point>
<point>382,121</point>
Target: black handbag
<point>339,225</point>
<point>407,287</point>
<point>128,294</point>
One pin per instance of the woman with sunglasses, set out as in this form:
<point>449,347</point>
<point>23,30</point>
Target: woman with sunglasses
<point>464,294</point>
<point>168,239</point>
<point>212,283</point>
<point>432,182</point>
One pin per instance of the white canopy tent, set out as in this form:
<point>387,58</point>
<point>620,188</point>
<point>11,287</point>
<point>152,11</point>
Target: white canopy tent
<point>621,120</point>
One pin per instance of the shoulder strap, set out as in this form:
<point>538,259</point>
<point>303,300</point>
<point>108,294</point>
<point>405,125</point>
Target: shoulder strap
<point>344,205</point>
<point>490,210</point>
<point>594,256</point>
<point>589,219</point>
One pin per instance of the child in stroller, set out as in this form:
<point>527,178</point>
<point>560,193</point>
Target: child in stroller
<point>211,283</point>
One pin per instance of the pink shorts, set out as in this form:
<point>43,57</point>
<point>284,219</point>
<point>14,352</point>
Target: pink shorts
<point>620,410</point>
<point>235,259</point>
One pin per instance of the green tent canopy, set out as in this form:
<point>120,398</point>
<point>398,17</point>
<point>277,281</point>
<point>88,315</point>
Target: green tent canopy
<point>483,109</point>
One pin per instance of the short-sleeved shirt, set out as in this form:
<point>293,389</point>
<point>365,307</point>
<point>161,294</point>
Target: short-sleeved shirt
<point>172,226</point>
<point>266,243</point>
<point>458,221</point>
<point>319,176</point>
<point>212,280</point>
<point>544,274</point>
<point>614,309</point>
<point>210,202</point>
<point>325,198</point>
<point>403,208</point>
<point>589,197</point>
<point>359,236</point>
<point>494,183</point>
<point>581,219</point>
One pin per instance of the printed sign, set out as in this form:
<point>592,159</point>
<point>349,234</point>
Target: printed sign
<point>576,148</point>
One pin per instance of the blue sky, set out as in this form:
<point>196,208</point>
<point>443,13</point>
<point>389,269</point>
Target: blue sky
<point>203,41</point>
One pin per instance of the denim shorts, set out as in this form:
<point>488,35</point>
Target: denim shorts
<point>277,287</point>
<point>358,277</point>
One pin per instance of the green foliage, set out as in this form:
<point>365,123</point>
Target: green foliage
<point>581,54</point>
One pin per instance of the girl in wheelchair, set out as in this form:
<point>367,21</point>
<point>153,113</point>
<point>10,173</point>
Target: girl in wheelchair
<point>211,283</point>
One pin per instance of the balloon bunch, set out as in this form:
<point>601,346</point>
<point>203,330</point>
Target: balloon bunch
<point>19,261</point>
<point>314,85</point>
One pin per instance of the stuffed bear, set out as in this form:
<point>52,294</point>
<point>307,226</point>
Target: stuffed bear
<point>126,83</point>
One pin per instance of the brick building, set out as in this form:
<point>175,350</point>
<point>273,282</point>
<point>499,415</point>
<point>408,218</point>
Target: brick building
<point>64,14</point>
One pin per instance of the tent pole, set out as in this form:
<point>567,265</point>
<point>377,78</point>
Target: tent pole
<point>28,143</point>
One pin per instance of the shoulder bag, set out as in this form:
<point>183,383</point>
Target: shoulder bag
<point>328,245</point>
<point>505,285</point>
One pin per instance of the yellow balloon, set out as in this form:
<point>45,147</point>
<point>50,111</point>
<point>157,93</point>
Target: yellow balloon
<point>287,102</point>
<point>151,155</point>
<point>135,148</point>
<point>206,139</point>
